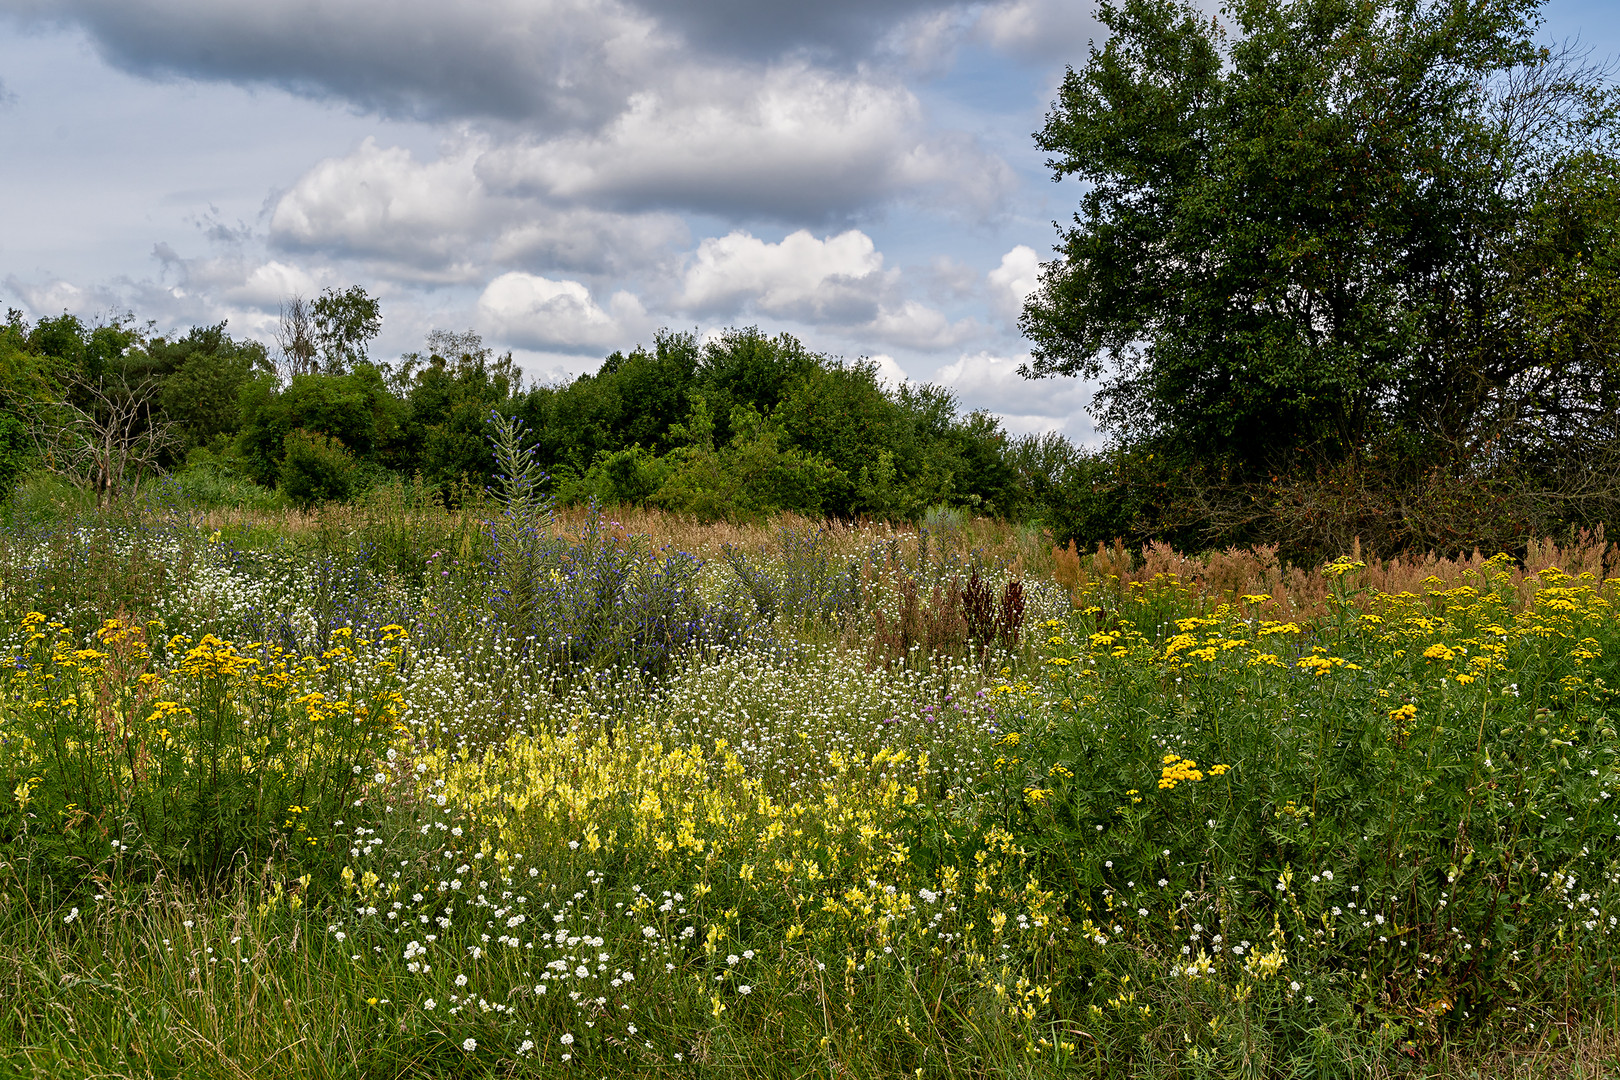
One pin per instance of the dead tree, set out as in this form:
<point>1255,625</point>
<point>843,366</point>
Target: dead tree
<point>104,436</point>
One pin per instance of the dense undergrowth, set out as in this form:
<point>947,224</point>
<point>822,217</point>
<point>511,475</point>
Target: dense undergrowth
<point>357,796</point>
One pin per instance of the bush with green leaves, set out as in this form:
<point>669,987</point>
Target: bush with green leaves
<point>316,469</point>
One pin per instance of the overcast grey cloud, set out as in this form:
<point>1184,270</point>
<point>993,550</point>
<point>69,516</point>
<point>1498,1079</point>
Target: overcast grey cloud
<point>562,63</point>
<point>767,28</point>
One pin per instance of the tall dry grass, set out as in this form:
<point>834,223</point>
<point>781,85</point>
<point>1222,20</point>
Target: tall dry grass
<point>1300,591</point>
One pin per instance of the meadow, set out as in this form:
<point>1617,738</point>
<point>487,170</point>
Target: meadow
<point>392,790</point>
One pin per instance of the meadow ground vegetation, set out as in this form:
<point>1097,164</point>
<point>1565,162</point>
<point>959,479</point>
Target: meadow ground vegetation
<point>391,790</point>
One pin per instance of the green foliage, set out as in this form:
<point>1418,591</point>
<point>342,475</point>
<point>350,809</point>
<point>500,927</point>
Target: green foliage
<point>1408,868</point>
<point>316,468</point>
<point>629,476</point>
<point>1332,228</point>
<point>345,321</point>
<point>202,375</point>
<point>750,476</point>
<point>210,480</point>
<point>356,409</point>
<point>1398,812</point>
<point>71,347</point>
<point>447,404</point>
<point>521,536</point>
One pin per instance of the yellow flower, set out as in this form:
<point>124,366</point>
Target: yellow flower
<point>1176,770</point>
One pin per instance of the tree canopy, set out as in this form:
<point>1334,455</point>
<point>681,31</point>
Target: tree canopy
<point>1320,227</point>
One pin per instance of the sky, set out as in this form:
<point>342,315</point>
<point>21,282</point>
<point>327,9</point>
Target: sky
<point>564,177</point>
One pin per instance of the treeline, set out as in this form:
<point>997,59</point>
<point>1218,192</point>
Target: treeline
<point>740,426</point>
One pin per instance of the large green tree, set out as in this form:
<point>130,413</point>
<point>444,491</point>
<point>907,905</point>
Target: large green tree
<point>1316,226</point>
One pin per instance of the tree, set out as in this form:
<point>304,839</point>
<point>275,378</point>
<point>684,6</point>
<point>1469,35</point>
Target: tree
<point>357,409</point>
<point>448,396</point>
<point>340,326</point>
<point>295,338</point>
<point>103,432</point>
<point>28,384</point>
<point>1305,232</point>
<point>201,376</point>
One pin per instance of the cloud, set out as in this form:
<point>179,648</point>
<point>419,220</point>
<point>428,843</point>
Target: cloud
<point>802,277</point>
<point>793,142</point>
<point>380,202</point>
<point>918,326</point>
<point>558,62</point>
<point>595,103</point>
<point>53,297</point>
<point>434,221</point>
<point>770,27</point>
<point>888,370</point>
<point>539,313</point>
<point>985,380</point>
<point>837,283</point>
<point>586,241</point>
<point>1013,280</point>
<point>1041,29</point>
<point>267,285</point>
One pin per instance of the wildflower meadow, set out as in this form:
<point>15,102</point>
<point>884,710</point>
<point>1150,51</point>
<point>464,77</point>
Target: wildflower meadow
<point>405,791</point>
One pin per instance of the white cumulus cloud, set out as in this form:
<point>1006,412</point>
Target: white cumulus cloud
<point>888,369</point>
<point>985,380</point>
<point>790,141</point>
<point>838,283</point>
<point>1013,280</point>
<point>539,313</point>
<point>801,277</point>
<point>1041,28</point>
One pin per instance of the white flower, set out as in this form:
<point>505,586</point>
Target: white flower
<point>430,1004</point>
<point>470,1045</point>
<point>745,990</point>
<point>461,980</point>
<point>70,916</point>
<point>567,1039</point>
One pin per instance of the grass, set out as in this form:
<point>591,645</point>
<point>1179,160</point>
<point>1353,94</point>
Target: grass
<point>319,805</point>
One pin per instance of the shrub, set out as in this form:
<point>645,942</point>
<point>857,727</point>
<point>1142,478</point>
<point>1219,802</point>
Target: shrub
<point>316,469</point>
